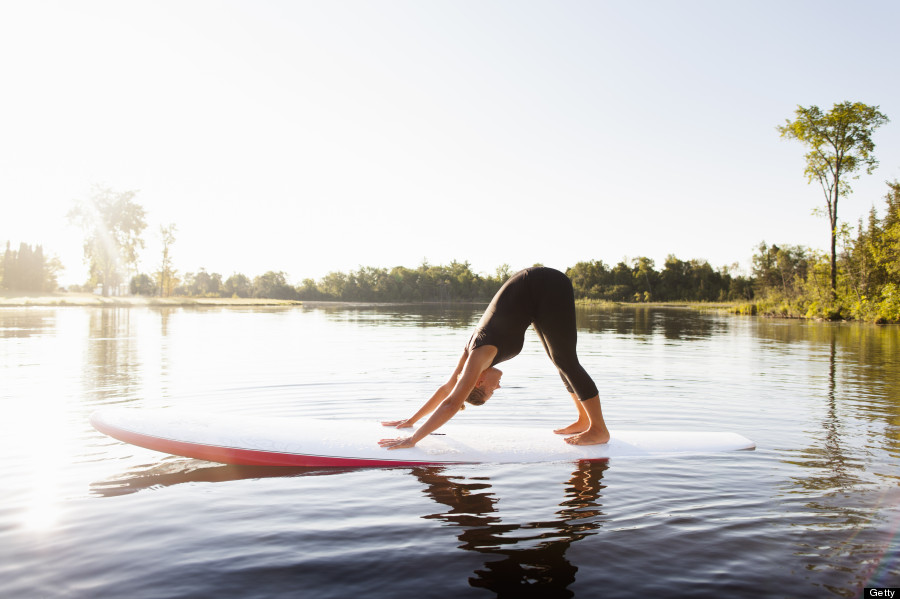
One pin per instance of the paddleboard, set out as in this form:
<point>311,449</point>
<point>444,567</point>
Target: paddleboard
<point>266,441</point>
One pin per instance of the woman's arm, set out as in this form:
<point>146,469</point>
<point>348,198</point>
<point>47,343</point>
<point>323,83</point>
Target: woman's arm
<point>435,400</point>
<point>471,367</point>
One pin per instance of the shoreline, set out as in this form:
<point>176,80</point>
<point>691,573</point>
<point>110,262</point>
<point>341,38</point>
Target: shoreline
<point>90,300</point>
<point>21,300</point>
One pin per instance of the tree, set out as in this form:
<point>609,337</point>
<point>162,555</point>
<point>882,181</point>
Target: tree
<point>840,144</point>
<point>166,272</point>
<point>112,223</point>
<point>237,285</point>
<point>781,268</point>
<point>273,285</point>
<point>889,251</point>
<point>28,269</point>
<point>142,284</point>
<point>202,284</point>
<point>643,270</point>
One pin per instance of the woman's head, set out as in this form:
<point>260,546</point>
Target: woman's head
<point>487,384</point>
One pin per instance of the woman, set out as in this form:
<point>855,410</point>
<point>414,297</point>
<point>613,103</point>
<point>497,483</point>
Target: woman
<point>537,296</point>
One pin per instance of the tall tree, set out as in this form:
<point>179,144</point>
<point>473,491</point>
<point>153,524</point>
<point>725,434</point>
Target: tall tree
<point>112,223</point>
<point>643,270</point>
<point>166,272</point>
<point>840,143</point>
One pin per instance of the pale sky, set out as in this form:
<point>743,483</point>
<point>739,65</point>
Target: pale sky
<point>327,135</point>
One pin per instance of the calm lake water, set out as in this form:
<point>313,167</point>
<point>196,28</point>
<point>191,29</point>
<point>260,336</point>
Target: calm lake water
<point>813,512</point>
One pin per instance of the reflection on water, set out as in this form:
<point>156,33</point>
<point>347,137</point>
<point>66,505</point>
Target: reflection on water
<point>453,316</point>
<point>26,323</point>
<point>533,554</point>
<point>112,369</point>
<point>646,321</point>
<point>181,471</point>
<point>818,505</point>
<point>859,372</point>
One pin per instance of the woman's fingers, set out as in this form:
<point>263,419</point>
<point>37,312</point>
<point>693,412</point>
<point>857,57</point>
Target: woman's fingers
<point>404,443</point>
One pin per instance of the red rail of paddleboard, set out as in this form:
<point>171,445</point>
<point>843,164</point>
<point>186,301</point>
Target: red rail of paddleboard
<point>242,456</point>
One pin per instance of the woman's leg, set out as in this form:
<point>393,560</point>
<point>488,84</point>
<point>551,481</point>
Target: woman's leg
<point>555,325</point>
<point>581,424</point>
<point>597,432</point>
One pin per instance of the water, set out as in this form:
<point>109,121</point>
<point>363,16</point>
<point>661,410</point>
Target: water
<point>813,512</point>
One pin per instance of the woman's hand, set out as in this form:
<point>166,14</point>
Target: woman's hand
<point>404,443</point>
<point>397,423</point>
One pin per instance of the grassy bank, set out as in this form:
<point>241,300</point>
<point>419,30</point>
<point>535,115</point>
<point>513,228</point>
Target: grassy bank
<point>845,308</point>
<point>731,307</point>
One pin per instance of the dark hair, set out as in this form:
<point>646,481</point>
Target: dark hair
<point>477,397</point>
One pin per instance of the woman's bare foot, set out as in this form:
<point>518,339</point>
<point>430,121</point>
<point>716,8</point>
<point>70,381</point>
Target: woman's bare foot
<point>575,427</point>
<point>592,436</point>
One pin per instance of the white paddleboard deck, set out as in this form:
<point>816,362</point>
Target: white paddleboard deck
<point>267,441</point>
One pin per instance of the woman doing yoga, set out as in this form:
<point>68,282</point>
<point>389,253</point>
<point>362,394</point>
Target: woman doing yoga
<point>538,296</point>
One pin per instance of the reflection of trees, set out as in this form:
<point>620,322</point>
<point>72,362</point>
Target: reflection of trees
<point>19,324</point>
<point>863,372</point>
<point>533,560</point>
<point>165,314</point>
<point>452,316</point>
<point>111,368</point>
<point>835,466</point>
<point>176,471</point>
<point>832,470</point>
<point>671,323</point>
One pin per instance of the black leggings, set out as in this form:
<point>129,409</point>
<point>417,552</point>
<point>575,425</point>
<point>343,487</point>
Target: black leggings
<point>543,298</point>
<point>554,323</point>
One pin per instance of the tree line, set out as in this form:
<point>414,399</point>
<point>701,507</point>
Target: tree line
<point>693,280</point>
<point>427,283</point>
<point>271,285</point>
<point>796,281</point>
<point>859,278</point>
<point>677,281</point>
<point>28,269</point>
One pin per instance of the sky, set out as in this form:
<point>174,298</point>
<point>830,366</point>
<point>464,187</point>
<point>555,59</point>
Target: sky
<point>318,136</point>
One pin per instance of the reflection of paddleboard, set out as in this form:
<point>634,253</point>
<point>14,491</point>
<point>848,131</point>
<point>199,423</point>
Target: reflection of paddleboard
<point>247,440</point>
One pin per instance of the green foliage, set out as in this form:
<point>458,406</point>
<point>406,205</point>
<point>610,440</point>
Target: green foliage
<point>142,284</point>
<point>201,284</point>
<point>28,269</point>
<point>237,285</point>
<point>693,281</point>
<point>840,143</point>
<point>273,285</point>
<point>112,223</point>
<point>889,306</point>
<point>785,267</point>
<point>792,281</point>
<point>167,275</point>
<point>453,283</point>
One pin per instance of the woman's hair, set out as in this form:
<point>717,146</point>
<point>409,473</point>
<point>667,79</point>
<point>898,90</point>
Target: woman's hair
<point>477,396</point>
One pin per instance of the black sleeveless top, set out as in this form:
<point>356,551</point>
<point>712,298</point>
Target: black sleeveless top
<point>513,309</point>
